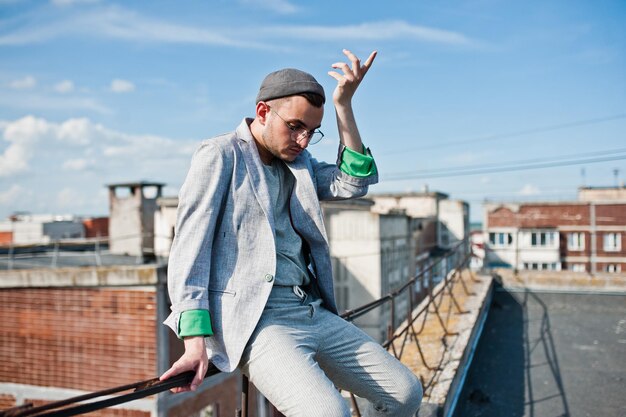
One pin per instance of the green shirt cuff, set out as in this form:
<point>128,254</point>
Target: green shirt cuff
<point>195,323</point>
<point>357,164</point>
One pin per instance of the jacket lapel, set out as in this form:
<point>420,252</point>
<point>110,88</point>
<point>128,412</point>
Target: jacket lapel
<point>255,170</point>
<point>305,208</point>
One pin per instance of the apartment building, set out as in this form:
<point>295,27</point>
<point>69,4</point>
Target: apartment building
<point>28,229</point>
<point>378,243</point>
<point>438,224</point>
<point>587,235</point>
<point>372,256</point>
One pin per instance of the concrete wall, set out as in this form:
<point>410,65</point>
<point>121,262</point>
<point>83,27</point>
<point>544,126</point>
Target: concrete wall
<point>454,217</point>
<point>355,247</point>
<point>64,230</point>
<point>164,223</point>
<point>125,224</point>
<point>422,205</point>
<point>602,194</point>
<point>561,281</point>
<point>372,255</point>
<point>27,231</point>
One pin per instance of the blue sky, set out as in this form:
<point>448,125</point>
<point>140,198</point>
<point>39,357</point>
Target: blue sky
<point>95,92</point>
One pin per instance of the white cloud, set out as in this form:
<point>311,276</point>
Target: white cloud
<point>118,23</point>
<point>277,6</point>
<point>65,86</point>
<point>79,164</point>
<point>122,24</point>
<point>64,166</point>
<point>122,86</point>
<point>384,30</point>
<point>31,137</point>
<point>529,190</point>
<point>23,136</point>
<point>11,195</point>
<point>69,198</point>
<point>64,3</point>
<point>25,83</point>
<point>79,131</point>
<point>30,101</point>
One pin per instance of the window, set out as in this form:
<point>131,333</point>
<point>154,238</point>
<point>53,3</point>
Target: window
<point>500,239</point>
<point>613,268</point>
<point>576,241</point>
<point>547,239</point>
<point>612,242</point>
<point>578,268</point>
<point>445,238</point>
<point>535,266</point>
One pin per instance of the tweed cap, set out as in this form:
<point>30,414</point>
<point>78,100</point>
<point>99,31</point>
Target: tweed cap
<point>288,82</point>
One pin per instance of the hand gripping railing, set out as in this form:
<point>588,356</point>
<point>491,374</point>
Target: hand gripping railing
<point>139,389</point>
<point>75,406</point>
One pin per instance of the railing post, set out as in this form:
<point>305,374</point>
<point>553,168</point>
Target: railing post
<point>11,254</point>
<point>392,318</point>
<point>355,406</point>
<point>97,248</point>
<point>409,315</point>
<point>245,385</point>
<point>55,254</point>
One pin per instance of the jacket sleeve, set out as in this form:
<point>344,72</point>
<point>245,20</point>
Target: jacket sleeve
<point>350,177</point>
<point>200,200</point>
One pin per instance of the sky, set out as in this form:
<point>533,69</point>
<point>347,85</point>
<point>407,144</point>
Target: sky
<point>481,99</point>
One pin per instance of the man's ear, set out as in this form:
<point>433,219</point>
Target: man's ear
<point>262,112</point>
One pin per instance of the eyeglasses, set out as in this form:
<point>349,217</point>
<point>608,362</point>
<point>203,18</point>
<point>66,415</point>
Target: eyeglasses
<point>299,134</point>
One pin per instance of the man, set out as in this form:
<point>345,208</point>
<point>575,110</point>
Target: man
<point>250,276</point>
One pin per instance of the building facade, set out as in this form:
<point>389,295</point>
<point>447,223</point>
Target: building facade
<point>372,256</point>
<point>587,235</point>
<point>29,229</point>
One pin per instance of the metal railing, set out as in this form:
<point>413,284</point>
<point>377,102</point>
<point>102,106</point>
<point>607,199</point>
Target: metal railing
<point>91,251</point>
<point>397,340</point>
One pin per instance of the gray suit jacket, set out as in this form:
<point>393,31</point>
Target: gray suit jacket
<point>223,257</point>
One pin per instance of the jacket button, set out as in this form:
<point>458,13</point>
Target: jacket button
<point>269,277</point>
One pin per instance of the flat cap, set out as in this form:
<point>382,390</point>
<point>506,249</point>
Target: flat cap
<point>288,82</point>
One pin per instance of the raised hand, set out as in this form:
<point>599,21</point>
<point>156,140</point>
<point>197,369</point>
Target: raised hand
<point>348,82</point>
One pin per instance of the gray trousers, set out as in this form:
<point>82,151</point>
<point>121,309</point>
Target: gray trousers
<point>300,353</point>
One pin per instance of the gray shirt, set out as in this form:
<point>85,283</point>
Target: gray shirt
<point>290,262</point>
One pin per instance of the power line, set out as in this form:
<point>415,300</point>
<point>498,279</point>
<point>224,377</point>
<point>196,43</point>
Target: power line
<point>506,163</point>
<point>503,168</point>
<point>530,131</point>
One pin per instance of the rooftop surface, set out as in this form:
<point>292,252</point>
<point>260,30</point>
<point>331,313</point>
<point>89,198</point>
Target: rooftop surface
<point>549,354</point>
